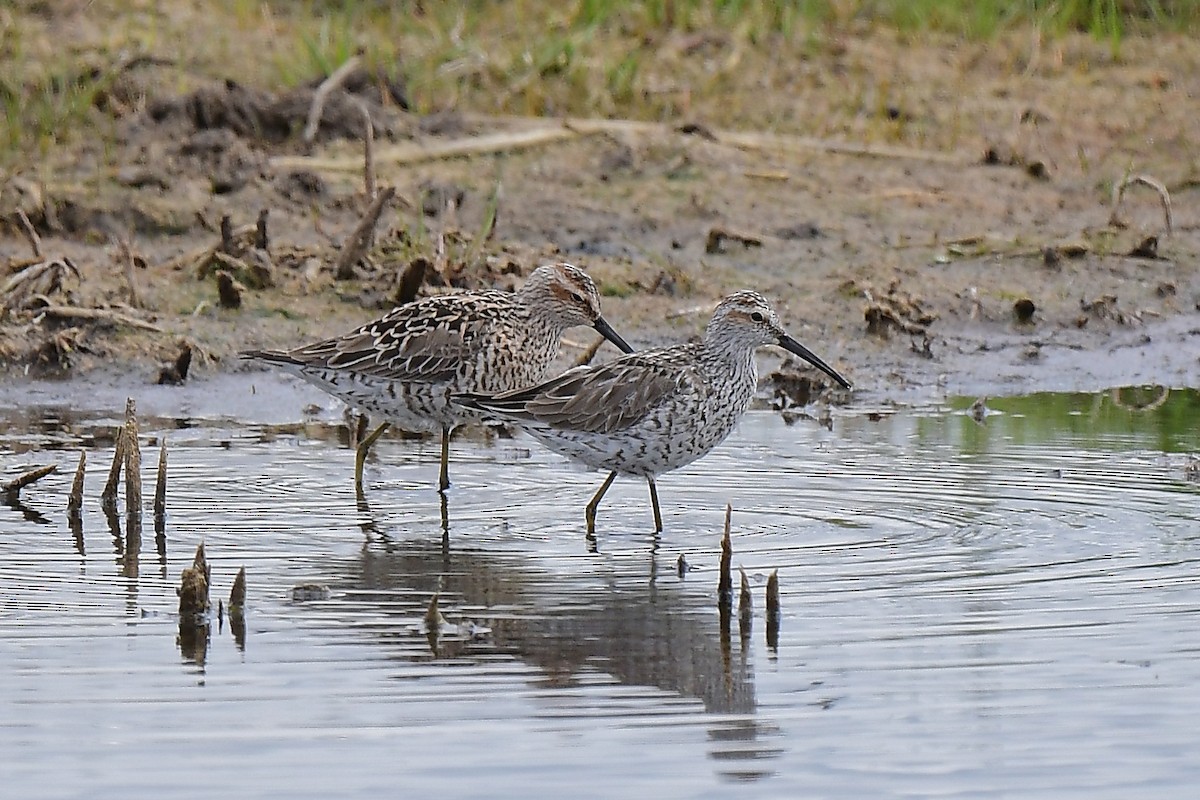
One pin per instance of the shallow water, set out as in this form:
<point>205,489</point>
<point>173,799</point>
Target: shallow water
<point>1006,608</point>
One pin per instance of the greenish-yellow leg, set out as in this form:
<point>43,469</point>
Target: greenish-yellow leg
<point>360,455</point>
<point>592,506</point>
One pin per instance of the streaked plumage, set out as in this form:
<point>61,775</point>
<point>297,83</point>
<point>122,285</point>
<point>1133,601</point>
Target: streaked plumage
<point>404,366</point>
<point>646,413</point>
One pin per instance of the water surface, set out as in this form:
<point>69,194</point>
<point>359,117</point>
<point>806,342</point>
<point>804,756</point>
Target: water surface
<point>996,609</point>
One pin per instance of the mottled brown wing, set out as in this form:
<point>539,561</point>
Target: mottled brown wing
<point>602,399</point>
<point>419,342</point>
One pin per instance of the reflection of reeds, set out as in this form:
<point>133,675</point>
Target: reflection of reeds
<point>773,610</point>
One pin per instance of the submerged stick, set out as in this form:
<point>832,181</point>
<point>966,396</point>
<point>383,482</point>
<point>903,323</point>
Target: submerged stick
<point>160,485</point>
<point>745,607</point>
<point>133,461</point>
<point>193,589</point>
<point>25,478</point>
<point>237,595</point>
<point>725,584</point>
<point>773,610</point>
<point>75,499</point>
<point>108,498</point>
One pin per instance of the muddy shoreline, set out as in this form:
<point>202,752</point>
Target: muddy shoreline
<point>998,262</point>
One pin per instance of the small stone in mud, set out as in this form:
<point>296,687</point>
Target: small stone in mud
<point>228,290</point>
<point>801,230</point>
<point>1023,309</point>
<point>1166,289</point>
<point>437,196</point>
<point>1147,248</point>
<point>176,372</point>
<point>1037,169</point>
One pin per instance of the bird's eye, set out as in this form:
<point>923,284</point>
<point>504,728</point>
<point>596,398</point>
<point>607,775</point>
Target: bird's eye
<point>758,317</point>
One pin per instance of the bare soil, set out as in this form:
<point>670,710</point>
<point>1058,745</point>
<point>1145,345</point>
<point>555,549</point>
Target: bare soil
<point>993,265</point>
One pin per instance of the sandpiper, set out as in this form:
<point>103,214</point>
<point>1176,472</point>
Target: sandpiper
<point>646,413</point>
<point>405,366</point>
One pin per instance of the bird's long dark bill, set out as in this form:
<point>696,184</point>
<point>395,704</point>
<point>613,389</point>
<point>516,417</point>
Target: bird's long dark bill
<point>792,346</point>
<point>608,333</point>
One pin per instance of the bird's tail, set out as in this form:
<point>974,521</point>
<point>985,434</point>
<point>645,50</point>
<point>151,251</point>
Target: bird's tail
<point>278,357</point>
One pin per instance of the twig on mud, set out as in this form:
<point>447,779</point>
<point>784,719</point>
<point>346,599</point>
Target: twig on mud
<point>718,236</point>
<point>13,487</point>
<point>360,240</point>
<point>321,95</point>
<point>226,245</point>
<point>547,133</point>
<point>194,258</point>
<point>260,230</point>
<point>99,315</point>
<point>406,154</point>
<point>1119,197</point>
<point>42,278</point>
<point>31,234</point>
<point>130,279</point>
<point>368,153</point>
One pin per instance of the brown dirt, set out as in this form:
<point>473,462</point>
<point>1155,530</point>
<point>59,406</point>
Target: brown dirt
<point>990,266</point>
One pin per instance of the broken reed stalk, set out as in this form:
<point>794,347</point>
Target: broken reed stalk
<point>1118,198</point>
<point>226,245</point>
<point>360,240</point>
<point>725,584</point>
<point>99,314</point>
<point>260,230</point>
<point>773,609</point>
<point>126,254</point>
<point>745,606</point>
<point>193,590</point>
<point>108,498</point>
<point>321,96</point>
<point>133,461</point>
<point>237,595</point>
<point>160,485</point>
<point>75,498</point>
<point>18,483</point>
